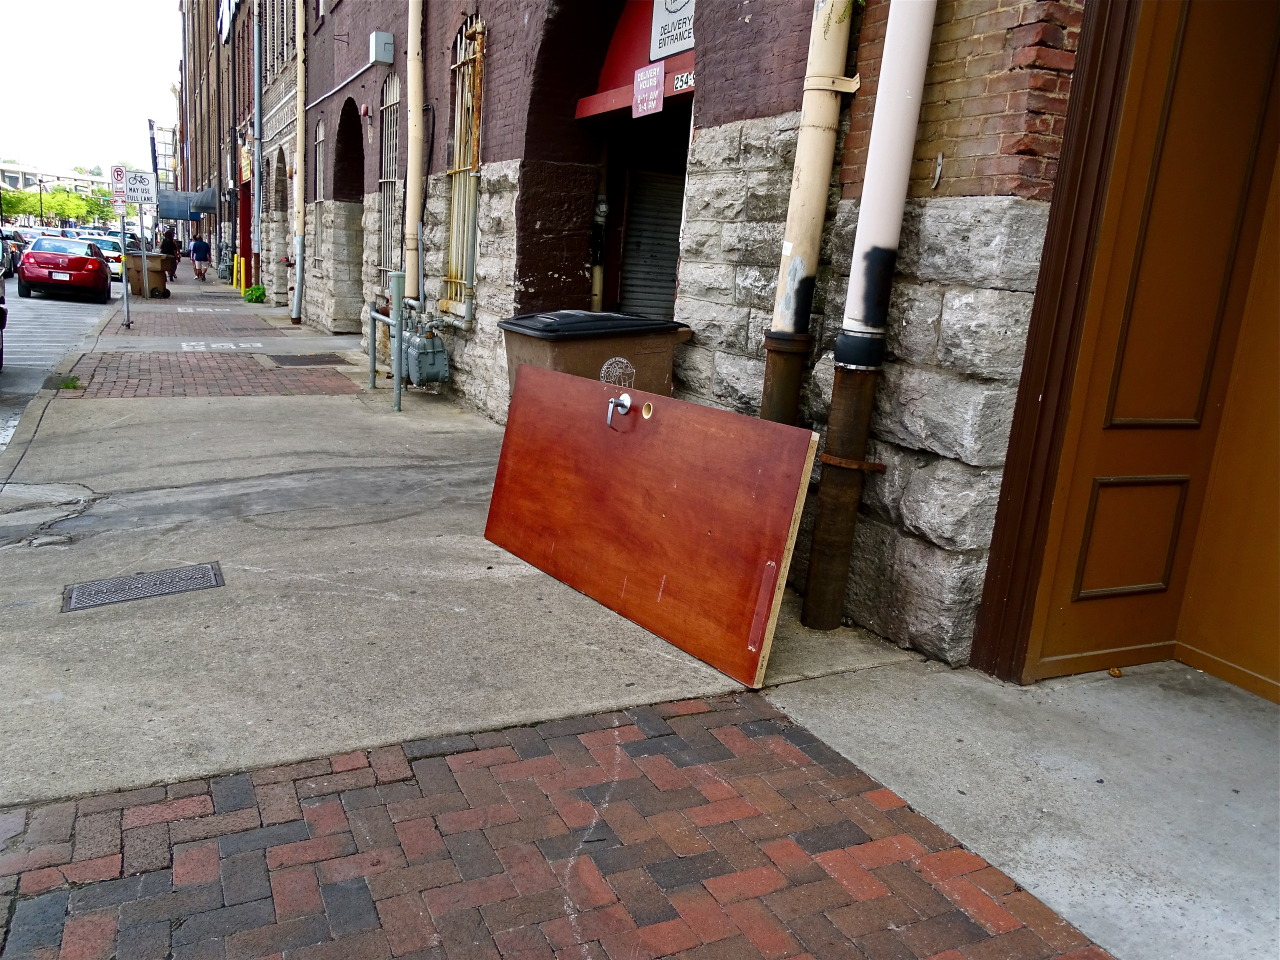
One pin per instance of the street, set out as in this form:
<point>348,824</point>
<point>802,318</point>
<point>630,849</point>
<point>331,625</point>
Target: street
<point>42,329</point>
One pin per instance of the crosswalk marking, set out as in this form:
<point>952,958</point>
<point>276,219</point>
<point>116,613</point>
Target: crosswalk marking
<point>42,330</point>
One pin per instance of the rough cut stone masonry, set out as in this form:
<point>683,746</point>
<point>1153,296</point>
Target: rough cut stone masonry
<point>479,359</point>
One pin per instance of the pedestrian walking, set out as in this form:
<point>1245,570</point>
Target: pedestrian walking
<point>169,250</point>
<point>200,256</point>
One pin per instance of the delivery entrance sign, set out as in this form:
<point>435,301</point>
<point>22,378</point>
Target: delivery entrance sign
<point>672,28</point>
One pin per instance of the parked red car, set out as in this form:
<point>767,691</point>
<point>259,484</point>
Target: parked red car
<point>56,263</point>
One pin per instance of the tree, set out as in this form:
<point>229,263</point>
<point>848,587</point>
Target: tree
<point>18,202</point>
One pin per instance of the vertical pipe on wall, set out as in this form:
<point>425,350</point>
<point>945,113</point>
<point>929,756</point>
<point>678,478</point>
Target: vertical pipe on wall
<point>416,96</point>
<point>787,342</point>
<point>473,190</point>
<point>859,349</point>
<point>257,142</point>
<point>299,158</point>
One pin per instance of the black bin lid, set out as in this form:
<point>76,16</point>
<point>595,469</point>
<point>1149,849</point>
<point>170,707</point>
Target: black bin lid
<point>585,325</point>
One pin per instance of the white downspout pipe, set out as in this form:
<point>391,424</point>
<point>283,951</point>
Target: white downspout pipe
<point>884,185</point>
<point>299,158</point>
<point>415,163</point>
<point>860,347</point>
<point>257,142</point>
<point>787,342</point>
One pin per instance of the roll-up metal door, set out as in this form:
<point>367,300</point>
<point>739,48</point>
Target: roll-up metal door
<point>651,244</point>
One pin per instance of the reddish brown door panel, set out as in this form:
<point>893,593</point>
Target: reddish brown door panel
<point>679,517</point>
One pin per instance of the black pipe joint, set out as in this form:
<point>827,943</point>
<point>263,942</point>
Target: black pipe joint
<point>862,351</point>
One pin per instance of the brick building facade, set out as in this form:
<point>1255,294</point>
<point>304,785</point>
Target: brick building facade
<point>568,184</point>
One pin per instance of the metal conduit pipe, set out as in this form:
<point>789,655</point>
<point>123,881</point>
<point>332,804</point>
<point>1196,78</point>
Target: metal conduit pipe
<point>787,342</point>
<point>859,349</point>
<point>473,193</point>
<point>299,160</point>
<point>256,242</point>
<point>416,95</point>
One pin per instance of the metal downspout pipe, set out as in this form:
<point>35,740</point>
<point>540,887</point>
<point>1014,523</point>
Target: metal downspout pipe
<point>299,159</point>
<point>473,195</point>
<point>414,159</point>
<point>787,342</point>
<point>860,347</point>
<point>257,142</point>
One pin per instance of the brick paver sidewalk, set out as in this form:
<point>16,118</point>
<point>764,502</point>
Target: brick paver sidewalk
<point>700,830</point>
<point>199,374</point>
<point>201,323</point>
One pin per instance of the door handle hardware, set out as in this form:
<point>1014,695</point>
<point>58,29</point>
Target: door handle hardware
<point>622,404</point>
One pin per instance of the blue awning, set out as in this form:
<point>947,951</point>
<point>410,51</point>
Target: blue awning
<point>206,201</point>
<point>176,205</point>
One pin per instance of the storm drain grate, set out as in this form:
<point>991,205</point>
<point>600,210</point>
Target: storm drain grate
<point>160,583</point>
<point>309,360</point>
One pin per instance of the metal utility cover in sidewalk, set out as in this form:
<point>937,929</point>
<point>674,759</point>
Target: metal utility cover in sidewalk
<point>308,360</point>
<point>139,586</point>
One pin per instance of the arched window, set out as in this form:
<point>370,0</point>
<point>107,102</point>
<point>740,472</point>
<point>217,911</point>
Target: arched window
<point>320,160</point>
<point>389,174</point>
<point>468,77</point>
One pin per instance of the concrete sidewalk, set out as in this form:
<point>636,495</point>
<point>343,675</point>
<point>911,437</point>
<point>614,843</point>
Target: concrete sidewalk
<point>363,607</point>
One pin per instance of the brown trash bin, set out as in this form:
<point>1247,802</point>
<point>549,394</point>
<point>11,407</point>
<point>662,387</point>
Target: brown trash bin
<point>619,348</point>
<point>157,275</point>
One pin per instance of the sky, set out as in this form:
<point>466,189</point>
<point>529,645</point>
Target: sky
<point>84,77</point>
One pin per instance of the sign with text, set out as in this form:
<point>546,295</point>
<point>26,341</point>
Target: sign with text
<point>119,206</point>
<point>140,186</point>
<point>117,182</point>
<point>646,90</point>
<point>672,30</point>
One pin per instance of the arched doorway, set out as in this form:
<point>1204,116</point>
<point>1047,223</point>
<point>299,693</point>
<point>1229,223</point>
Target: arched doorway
<point>335,296</point>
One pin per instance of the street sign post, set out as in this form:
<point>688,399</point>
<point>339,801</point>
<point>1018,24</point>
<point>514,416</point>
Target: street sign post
<point>124,270</point>
<point>140,188</point>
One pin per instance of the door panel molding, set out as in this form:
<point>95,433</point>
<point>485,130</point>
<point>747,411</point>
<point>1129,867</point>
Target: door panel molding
<point>1079,591</point>
<point>1181,85</point>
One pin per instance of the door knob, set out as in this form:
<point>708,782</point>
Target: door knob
<point>622,404</point>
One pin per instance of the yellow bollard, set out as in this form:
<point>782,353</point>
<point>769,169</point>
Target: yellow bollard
<point>235,271</point>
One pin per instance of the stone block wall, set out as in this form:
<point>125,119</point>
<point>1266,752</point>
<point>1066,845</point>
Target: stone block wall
<point>478,359</point>
<point>333,295</point>
<point>958,320</point>
<point>736,191</point>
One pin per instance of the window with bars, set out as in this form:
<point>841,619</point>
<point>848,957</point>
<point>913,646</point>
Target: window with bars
<point>389,174</point>
<point>464,166</point>
<point>320,160</point>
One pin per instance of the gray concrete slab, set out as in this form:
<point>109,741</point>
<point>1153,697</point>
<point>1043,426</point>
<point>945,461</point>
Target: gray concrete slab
<point>1144,809</point>
<point>362,605</point>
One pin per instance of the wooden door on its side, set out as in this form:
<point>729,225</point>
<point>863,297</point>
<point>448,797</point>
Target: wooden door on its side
<point>680,517</point>
<point>1173,266</point>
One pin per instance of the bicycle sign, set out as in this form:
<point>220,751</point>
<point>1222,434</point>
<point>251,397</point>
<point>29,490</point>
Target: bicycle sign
<point>139,186</point>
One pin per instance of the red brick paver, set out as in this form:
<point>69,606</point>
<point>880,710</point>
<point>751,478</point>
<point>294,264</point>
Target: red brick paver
<point>119,375</point>
<point>702,829</point>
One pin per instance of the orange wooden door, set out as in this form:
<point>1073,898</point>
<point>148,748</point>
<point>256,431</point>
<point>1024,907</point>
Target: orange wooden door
<point>1172,271</point>
<point>679,517</point>
<point>1230,622</point>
